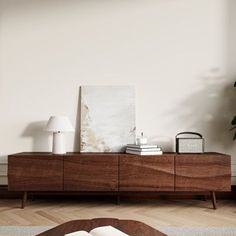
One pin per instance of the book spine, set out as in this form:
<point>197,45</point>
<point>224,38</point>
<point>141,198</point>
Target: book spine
<point>144,153</point>
<point>144,149</point>
<point>142,146</point>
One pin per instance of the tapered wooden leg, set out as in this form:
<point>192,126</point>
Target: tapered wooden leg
<point>213,199</point>
<point>24,199</point>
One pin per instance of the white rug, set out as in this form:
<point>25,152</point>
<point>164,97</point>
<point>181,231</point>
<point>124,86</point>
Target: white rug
<point>22,230</point>
<point>170,231</point>
<point>198,231</point>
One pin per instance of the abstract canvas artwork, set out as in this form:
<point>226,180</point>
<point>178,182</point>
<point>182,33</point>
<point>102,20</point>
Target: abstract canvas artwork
<point>107,118</point>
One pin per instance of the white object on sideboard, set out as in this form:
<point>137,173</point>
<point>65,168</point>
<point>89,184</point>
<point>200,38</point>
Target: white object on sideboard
<point>59,125</point>
<point>142,140</point>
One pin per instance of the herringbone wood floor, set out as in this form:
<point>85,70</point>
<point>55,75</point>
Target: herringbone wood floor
<point>154,213</point>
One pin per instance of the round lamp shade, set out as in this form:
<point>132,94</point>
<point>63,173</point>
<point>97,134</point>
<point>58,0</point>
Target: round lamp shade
<point>59,124</point>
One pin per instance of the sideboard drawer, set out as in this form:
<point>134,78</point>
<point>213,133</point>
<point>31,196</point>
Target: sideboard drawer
<point>35,173</point>
<point>147,173</point>
<point>91,172</point>
<point>203,172</point>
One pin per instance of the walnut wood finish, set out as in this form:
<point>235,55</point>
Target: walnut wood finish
<point>35,172</point>
<point>91,172</point>
<point>117,173</point>
<point>147,173</point>
<point>130,227</point>
<point>203,172</point>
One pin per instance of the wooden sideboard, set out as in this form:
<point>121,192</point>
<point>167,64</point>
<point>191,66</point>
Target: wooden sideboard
<point>117,173</point>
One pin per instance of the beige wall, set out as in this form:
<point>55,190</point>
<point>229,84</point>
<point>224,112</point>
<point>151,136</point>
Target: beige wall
<point>179,55</point>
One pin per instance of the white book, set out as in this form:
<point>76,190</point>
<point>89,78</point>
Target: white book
<point>99,231</point>
<point>142,146</point>
<point>144,153</point>
<point>144,149</point>
<point>79,233</point>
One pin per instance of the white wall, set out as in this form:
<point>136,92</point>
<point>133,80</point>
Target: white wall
<point>177,53</point>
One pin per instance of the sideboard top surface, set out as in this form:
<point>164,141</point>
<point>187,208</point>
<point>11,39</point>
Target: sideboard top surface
<point>78,154</point>
<point>111,154</point>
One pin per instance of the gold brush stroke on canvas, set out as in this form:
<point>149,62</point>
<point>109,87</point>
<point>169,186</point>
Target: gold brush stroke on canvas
<point>87,133</point>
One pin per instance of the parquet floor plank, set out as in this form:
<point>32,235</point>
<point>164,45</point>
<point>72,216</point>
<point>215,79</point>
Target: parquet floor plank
<point>155,213</point>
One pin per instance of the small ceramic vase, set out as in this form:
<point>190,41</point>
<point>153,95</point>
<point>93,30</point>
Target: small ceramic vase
<point>141,140</point>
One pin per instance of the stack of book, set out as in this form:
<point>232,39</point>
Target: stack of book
<point>143,149</point>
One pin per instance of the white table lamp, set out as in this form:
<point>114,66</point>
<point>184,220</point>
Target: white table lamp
<point>58,125</point>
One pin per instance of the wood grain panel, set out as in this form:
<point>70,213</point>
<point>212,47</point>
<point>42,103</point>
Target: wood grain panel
<point>91,172</point>
<point>147,173</point>
<point>205,172</point>
<point>35,172</point>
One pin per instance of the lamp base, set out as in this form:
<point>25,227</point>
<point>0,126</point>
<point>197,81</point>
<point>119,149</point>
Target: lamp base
<point>58,143</point>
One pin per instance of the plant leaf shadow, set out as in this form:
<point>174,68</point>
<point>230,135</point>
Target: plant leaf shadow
<point>209,110</point>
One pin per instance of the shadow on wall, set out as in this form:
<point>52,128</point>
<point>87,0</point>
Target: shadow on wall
<point>42,140</point>
<point>209,110</point>
<point>40,137</point>
<point>76,147</point>
<point>166,143</point>
<point>231,64</point>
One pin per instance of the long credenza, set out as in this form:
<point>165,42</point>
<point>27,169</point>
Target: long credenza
<point>118,173</point>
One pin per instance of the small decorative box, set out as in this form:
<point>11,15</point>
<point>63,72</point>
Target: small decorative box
<point>189,142</point>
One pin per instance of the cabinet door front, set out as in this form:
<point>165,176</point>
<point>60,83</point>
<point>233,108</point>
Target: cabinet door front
<point>203,172</point>
<point>91,172</point>
<point>35,173</point>
<point>147,173</point>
